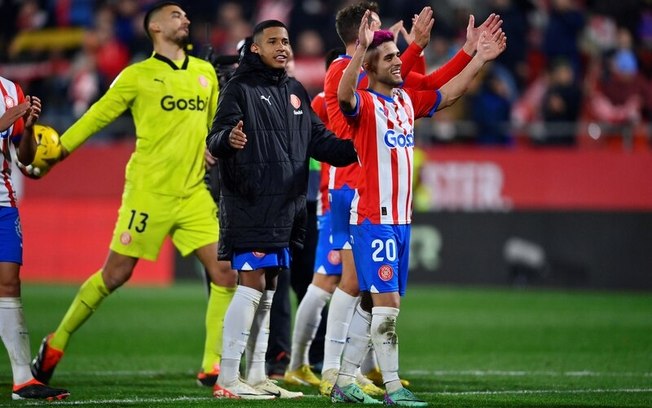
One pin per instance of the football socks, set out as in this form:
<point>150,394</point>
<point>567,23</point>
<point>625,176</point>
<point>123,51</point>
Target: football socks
<point>88,299</point>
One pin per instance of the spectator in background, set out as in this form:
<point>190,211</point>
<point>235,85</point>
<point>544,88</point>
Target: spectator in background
<point>561,105</point>
<point>229,27</point>
<point>30,16</point>
<point>491,107</point>
<point>561,37</point>
<point>125,12</point>
<point>309,60</point>
<point>77,13</point>
<point>515,25</point>
<point>110,54</point>
<point>315,15</point>
<point>621,95</point>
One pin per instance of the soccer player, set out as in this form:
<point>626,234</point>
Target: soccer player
<point>18,114</point>
<point>326,263</point>
<point>172,97</point>
<point>263,135</point>
<point>343,181</point>
<point>382,122</point>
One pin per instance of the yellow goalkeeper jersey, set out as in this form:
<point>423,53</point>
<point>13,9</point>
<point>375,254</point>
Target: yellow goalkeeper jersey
<point>172,107</point>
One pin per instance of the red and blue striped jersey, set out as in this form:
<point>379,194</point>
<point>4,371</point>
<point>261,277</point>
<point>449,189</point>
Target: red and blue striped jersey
<point>383,129</point>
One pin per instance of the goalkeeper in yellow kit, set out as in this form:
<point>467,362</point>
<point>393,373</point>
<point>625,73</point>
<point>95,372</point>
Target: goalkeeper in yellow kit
<point>172,98</point>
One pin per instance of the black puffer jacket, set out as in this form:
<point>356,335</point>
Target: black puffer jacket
<point>263,186</point>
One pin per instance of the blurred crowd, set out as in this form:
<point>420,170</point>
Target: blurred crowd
<point>575,71</point>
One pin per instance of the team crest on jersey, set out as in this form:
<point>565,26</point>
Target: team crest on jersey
<point>386,273</point>
<point>203,81</point>
<point>295,101</point>
<point>334,257</point>
<point>258,254</point>
<point>125,238</point>
<point>9,102</point>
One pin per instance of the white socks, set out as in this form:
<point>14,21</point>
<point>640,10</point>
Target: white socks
<point>357,346</point>
<point>339,316</point>
<point>237,325</point>
<point>306,323</point>
<point>255,372</point>
<point>385,343</point>
<point>15,338</point>
<point>369,363</point>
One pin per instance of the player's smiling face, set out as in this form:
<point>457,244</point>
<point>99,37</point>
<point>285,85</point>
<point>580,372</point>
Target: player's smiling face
<point>175,24</point>
<point>388,64</point>
<point>273,46</point>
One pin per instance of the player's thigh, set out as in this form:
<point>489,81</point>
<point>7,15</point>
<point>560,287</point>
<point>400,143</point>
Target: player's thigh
<point>340,201</point>
<point>196,222</point>
<point>376,250</point>
<point>144,220</point>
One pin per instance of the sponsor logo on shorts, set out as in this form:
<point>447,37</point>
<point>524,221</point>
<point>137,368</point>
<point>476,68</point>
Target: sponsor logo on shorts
<point>385,273</point>
<point>125,238</point>
<point>258,254</point>
<point>334,257</point>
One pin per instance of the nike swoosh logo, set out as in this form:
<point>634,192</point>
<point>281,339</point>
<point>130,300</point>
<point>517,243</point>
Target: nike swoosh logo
<point>277,394</point>
<point>356,398</point>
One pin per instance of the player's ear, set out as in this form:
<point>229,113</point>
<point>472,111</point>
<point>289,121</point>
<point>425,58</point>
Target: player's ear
<point>254,48</point>
<point>154,27</point>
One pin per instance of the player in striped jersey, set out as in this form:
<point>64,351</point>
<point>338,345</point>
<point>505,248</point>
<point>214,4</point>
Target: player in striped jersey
<point>18,114</point>
<point>343,181</point>
<point>382,122</point>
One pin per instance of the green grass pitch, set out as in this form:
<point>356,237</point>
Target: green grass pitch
<point>460,347</point>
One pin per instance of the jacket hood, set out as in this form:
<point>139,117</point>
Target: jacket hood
<point>251,63</point>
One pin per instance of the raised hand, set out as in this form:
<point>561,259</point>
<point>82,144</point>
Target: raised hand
<point>34,111</point>
<point>490,46</point>
<point>365,33</point>
<point>421,27</point>
<point>237,138</point>
<point>491,25</point>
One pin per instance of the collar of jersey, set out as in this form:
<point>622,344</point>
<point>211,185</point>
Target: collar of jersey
<point>170,63</point>
<point>385,97</point>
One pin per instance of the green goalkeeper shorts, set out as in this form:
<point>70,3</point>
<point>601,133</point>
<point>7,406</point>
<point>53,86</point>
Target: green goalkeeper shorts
<point>145,219</point>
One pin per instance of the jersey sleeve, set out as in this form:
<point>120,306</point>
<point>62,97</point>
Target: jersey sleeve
<point>411,59</point>
<point>318,104</point>
<point>425,103</point>
<point>438,78</point>
<point>19,125</point>
<point>112,104</point>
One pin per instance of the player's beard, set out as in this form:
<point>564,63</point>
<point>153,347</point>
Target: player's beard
<point>182,40</point>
